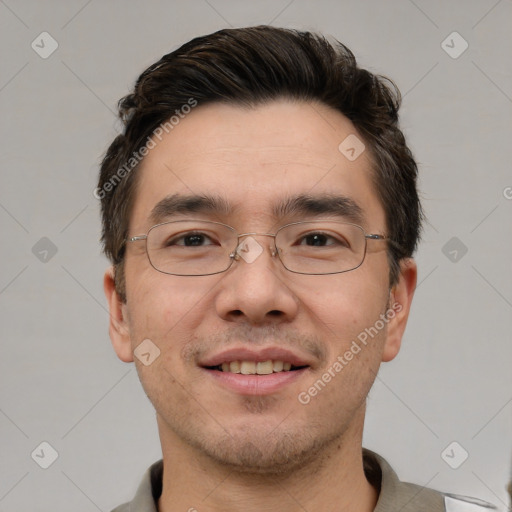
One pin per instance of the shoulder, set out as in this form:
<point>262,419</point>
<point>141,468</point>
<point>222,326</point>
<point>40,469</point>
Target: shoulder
<point>407,497</point>
<point>423,499</point>
<point>148,492</point>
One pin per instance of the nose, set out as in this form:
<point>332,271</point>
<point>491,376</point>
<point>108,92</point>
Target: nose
<point>255,290</point>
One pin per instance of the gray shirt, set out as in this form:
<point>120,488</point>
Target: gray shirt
<point>394,495</point>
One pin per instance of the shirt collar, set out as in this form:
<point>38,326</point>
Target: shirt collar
<point>393,494</point>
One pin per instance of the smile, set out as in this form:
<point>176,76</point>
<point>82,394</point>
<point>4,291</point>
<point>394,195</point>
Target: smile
<point>256,368</point>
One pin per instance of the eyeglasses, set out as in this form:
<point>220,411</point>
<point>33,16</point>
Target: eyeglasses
<point>203,248</point>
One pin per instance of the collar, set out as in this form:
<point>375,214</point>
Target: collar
<point>393,494</point>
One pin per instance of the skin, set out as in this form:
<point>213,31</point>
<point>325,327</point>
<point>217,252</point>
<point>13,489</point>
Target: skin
<point>224,450</point>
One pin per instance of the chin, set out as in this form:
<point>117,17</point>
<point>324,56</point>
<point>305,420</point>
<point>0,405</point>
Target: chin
<point>264,453</point>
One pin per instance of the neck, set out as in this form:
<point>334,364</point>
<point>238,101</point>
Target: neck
<point>334,480</point>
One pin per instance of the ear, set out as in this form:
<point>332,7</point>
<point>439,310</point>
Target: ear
<point>400,299</point>
<point>118,328</point>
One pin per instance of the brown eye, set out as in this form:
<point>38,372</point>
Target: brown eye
<point>194,240</point>
<point>322,240</point>
<point>317,240</point>
<point>190,240</point>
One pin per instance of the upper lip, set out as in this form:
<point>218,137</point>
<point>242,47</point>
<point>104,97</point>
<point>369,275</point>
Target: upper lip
<point>260,355</point>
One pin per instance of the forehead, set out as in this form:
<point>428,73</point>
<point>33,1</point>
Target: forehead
<point>256,159</point>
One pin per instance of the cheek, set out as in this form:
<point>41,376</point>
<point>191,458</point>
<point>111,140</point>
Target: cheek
<point>344,305</point>
<point>165,309</point>
<point>348,318</point>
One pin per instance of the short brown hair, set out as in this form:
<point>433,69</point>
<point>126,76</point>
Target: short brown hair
<point>251,66</point>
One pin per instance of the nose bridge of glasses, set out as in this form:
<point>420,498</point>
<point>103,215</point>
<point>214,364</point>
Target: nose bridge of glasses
<point>249,248</point>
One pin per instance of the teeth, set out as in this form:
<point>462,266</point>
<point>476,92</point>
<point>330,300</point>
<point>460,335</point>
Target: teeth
<point>234,367</point>
<point>253,368</point>
<point>278,366</point>
<point>265,368</point>
<point>248,367</point>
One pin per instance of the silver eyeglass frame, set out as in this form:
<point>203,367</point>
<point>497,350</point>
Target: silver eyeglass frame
<point>235,256</point>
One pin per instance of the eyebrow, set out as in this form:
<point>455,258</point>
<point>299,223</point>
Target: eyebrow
<point>309,205</point>
<point>178,204</point>
<point>303,205</point>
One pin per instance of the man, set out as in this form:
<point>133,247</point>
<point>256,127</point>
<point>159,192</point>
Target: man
<point>260,211</point>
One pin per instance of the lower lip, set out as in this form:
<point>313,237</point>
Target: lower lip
<point>255,384</point>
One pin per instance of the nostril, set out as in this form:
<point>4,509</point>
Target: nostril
<point>275,312</point>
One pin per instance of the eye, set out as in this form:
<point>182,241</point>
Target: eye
<point>316,239</point>
<point>193,239</point>
<point>322,240</point>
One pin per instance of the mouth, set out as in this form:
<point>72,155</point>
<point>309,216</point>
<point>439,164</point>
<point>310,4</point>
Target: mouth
<point>256,368</point>
<point>249,372</point>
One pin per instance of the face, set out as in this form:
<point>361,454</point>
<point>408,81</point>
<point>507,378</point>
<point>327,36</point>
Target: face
<point>253,164</point>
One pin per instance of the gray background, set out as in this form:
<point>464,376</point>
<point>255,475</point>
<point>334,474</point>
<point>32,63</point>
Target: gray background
<point>60,379</point>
